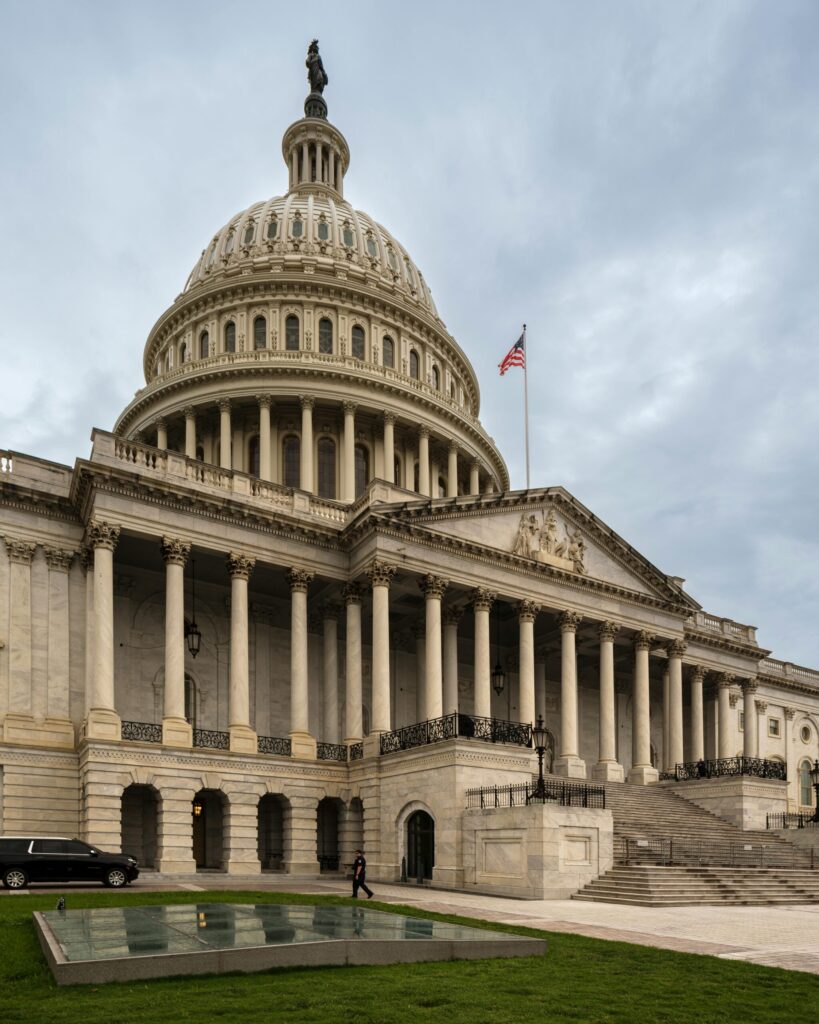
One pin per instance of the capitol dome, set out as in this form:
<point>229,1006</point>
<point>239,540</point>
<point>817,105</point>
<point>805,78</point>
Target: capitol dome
<point>306,350</point>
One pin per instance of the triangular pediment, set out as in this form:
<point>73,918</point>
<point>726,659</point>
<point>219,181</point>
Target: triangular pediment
<point>548,528</point>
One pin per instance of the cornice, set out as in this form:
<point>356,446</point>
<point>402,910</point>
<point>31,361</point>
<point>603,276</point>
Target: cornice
<point>722,643</point>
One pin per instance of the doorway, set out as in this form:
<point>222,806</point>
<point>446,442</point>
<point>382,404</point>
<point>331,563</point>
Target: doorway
<point>420,845</point>
<point>208,829</point>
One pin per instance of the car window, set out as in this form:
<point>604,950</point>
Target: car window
<point>14,846</point>
<point>77,846</point>
<point>49,846</point>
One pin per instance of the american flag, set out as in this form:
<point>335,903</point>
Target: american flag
<point>516,356</point>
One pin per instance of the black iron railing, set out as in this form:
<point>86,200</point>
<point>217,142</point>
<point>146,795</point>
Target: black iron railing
<point>356,751</point>
<point>492,730</point>
<point>331,751</point>
<point>143,732</point>
<point>721,766</point>
<point>212,739</point>
<point>565,794</point>
<point>791,820</point>
<point>668,852</point>
<point>274,745</point>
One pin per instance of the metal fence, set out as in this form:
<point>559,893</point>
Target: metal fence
<point>721,766</point>
<point>491,730</point>
<point>791,820</point>
<point>331,752</point>
<point>565,794</point>
<point>356,751</point>
<point>142,732</point>
<point>212,739</point>
<point>667,852</point>
<point>274,745</point>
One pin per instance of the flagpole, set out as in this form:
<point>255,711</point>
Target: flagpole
<point>526,401</point>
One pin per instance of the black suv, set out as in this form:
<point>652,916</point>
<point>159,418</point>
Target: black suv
<point>25,859</point>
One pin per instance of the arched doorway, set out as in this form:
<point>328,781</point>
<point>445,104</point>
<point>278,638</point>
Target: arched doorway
<point>271,831</point>
<point>138,817</point>
<point>208,829</point>
<point>420,845</point>
<point>327,818</point>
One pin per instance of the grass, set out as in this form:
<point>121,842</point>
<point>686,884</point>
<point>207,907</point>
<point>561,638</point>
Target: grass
<point>580,980</point>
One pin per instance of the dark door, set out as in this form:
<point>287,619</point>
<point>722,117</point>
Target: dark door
<point>200,832</point>
<point>420,845</point>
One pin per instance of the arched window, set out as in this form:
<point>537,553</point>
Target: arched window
<point>297,227</point>
<point>362,469</point>
<point>326,336</point>
<point>388,351</point>
<point>291,333</point>
<point>291,450</point>
<point>230,336</point>
<point>372,248</point>
<point>436,378</point>
<point>323,230</point>
<point>183,353</point>
<point>231,239</point>
<point>204,345</point>
<point>415,365</point>
<point>253,455</point>
<point>326,468</point>
<point>259,332</point>
<point>272,229</point>
<point>250,231</point>
<point>805,786</point>
<point>358,342</point>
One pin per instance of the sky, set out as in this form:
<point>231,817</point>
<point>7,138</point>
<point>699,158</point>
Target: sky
<point>636,181</point>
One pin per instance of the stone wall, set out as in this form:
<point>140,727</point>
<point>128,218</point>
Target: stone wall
<point>741,799</point>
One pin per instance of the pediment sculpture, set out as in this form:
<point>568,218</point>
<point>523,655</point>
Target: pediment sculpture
<point>538,537</point>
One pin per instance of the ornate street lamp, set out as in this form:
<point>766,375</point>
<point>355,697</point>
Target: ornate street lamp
<point>814,778</point>
<point>192,634</point>
<point>498,675</point>
<point>539,735</point>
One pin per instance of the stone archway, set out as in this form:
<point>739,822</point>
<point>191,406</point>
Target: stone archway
<point>139,816</point>
<point>420,845</point>
<point>273,820</point>
<point>329,815</point>
<point>208,809</point>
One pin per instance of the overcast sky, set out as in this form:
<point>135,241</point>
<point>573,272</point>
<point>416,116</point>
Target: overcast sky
<point>637,181</point>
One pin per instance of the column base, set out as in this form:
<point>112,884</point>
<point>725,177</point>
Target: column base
<point>102,724</point>
<point>243,740</point>
<point>303,746</point>
<point>176,866</point>
<point>302,867</point>
<point>372,745</point>
<point>608,771</point>
<point>53,732</point>
<point>643,775</point>
<point>243,867</point>
<point>176,732</point>
<point>571,766</point>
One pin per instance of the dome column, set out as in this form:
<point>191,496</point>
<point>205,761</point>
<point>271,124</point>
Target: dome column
<point>161,434</point>
<point>474,478</point>
<point>303,743</point>
<point>423,462</point>
<point>306,464</point>
<point>190,432</point>
<point>389,448</point>
<point>225,459</point>
<point>265,472</point>
<point>452,471</point>
<point>348,448</point>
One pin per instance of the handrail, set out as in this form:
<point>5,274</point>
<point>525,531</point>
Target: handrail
<point>434,730</point>
<point>564,794</point>
<point>757,767</point>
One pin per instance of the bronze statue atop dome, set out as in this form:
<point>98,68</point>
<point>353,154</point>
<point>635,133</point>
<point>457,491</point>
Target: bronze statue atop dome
<point>316,74</point>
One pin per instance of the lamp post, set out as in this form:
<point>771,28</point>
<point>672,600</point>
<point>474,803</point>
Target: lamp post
<point>193,636</point>
<point>539,740</point>
<point>814,778</point>
<point>498,675</point>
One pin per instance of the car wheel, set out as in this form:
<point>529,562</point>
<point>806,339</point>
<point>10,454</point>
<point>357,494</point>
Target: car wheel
<point>115,878</point>
<point>15,878</point>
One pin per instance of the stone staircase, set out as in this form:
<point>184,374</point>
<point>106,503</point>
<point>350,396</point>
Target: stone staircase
<point>670,852</point>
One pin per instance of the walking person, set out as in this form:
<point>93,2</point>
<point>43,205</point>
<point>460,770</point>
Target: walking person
<point>360,876</point>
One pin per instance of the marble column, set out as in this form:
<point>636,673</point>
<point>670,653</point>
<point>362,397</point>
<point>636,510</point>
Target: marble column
<point>190,432</point>
<point>452,616</point>
<point>265,467</point>
<point>642,771</point>
<point>750,743</point>
<point>433,588</point>
<point>380,575</point>
<point>423,462</point>
<point>760,710</point>
<point>306,447</point>
<point>176,730</point>
<point>58,727</point>
<point>87,559</point>
<point>161,433</point>
<point>474,478</point>
<point>527,613</point>
<point>242,737</point>
<point>666,707</point>
<point>607,769</point>
<point>329,616</point>
<point>724,744</point>
<point>452,471</point>
<point>352,665</point>
<point>675,650</point>
<point>18,721</point>
<point>482,601</point>
<point>103,722</point>
<point>540,684</point>
<point>225,442</point>
<point>569,762</point>
<point>303,742</point>
<point>420,634</point>
<point>389,448</point>
<point>697,726</point>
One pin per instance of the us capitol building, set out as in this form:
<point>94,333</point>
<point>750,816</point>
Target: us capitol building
<point>289,605</point>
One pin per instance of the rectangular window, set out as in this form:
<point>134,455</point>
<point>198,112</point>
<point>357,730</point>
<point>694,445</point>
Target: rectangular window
<point>773,726</point>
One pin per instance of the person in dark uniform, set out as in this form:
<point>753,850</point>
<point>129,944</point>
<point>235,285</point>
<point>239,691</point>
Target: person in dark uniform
<point>360,876</point>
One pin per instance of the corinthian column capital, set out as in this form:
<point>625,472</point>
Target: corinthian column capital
<point>58,558</point>
<point>433,586</point>
<point>725,680</point>
<point>175,551</point>
<point>750,685</point>
<point>607,630</point>
<point>643,640</point>
<point>240,566</point>
<point>307,401</point>
<point>483,599</point>
<point>21,551</point>
<point>452,615</point>
<point>352,593</point>
<point>569,621</point>
<point>103,534</point>
<point>528,610</point>
<point>380,574</point>
<point>299,579</point>
<point>675,648</point>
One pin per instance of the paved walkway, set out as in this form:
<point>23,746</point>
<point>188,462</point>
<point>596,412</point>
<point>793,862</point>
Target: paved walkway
<point>778,936</point>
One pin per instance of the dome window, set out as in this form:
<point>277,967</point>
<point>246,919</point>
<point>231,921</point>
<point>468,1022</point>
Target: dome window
<point>231,241</point>
<point>388,352</point>
<point>250,231</point>
<point>297,227</point>
<point>372,248</point>
<point>253,455</point>
<point>291,333</point>
<point>327,468</point>
<point>358,342</point>
<point>362,469</point>
<point>414,365</point>
<point>326,336</point>
<point>230,336</point>
<point>323,230</point>
<point>204,345</point>
<point>393,262</point>
<point>212,255</point>
<point>349,236</point>
<point>291,457</point>
<point>183,353</point>
<point>259,333</point>
<point>272,229</point>
<point>436,378</point>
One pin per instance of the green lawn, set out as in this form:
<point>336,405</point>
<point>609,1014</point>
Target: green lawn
<point>585,981</point>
